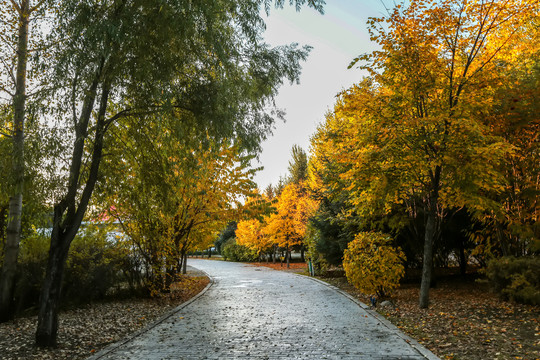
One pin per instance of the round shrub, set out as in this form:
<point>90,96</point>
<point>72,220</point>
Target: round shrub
<point>372,264</point>
<point>231,251</point>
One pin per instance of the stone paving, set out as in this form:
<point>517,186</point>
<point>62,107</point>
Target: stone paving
<point>258,313</point>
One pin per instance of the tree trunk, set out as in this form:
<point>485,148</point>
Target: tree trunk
<point>288,255</point>
<point>11,251</point>
<point>462,258</point>
<point>429,238</point>
<point>3,213</point>
<point>184,263</point>
<point>428,260</point>
<point>50,293</point>
<point>68,216</point>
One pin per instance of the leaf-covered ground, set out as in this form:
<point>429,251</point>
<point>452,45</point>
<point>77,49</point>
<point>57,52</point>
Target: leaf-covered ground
<point>88,329</point>
<point>464,321</point>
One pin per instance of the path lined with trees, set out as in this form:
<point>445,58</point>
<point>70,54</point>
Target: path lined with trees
<point>258,313</point>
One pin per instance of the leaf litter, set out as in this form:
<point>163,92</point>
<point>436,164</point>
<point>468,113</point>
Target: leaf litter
<point>465,321</point>
<point>90,328</point>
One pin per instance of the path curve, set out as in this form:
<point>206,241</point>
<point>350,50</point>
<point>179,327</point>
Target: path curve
<point>257,313</point>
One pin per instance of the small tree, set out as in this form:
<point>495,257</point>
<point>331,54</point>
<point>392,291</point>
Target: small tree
<point>372,264</point>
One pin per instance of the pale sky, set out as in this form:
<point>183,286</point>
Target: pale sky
<point>337,37</point>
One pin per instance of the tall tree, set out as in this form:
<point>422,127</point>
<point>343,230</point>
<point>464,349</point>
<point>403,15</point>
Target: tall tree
<point>250,233</point>
<point>16,18</point>
<point>203,62</point>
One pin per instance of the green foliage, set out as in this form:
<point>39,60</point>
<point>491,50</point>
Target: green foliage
<point>31,269</point>
<point>234,252</point>
<point>372,264</point>
<point>99,264</point>
<point>225,235</point>
<point>331,233</point>
<point>516,279</point>
<point>298,165</point>
<point>95,264</point>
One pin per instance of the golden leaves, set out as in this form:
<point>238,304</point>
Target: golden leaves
<point>372,264</point>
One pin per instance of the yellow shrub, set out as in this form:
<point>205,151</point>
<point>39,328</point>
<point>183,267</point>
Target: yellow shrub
<point>372,264</point>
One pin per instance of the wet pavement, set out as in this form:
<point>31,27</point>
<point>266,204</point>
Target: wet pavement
<point>253,312</point>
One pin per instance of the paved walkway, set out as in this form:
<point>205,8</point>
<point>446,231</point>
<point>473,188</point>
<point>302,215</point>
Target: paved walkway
<point>258,313</point>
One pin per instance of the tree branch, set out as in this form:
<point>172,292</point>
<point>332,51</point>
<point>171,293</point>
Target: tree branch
<point>17,7</point>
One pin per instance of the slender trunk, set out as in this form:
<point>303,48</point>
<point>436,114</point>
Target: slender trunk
<point>428,260</point>
<point>429,238</point>
<point>3,213</point>
<point>288,255</point>
<point>11,250</point>
<point>302,254</point>
<point>170,275</point>
<point>68,215</point>
<point>184,263</point>
<point>462,258</point>
<point>49,301</point>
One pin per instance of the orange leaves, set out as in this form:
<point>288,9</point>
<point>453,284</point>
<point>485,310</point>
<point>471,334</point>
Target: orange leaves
<point>250,233</point>
<point>288,225</point>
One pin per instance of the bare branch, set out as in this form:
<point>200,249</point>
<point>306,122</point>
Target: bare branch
<point>17,7</point>
<point>37,6</point>
<point>3,88</point>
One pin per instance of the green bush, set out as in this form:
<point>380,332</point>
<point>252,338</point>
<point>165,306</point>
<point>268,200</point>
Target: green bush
<point>231,251</point>
<point>32,262</point>
<point>95,265</point>
<point>516,279</point>
<point>372,264</point>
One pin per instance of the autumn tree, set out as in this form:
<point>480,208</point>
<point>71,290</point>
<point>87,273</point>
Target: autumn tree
<point>514,116</point>
<point>287,227</point>
<point>174,200</point>
<point>250,233</point>
<point>334,224</point>
<point>421,138</point>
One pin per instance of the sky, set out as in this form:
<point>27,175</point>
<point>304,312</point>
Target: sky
<point>337,37</point>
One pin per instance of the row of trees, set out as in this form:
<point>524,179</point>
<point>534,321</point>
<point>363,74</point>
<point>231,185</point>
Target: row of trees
<point>147,111</point>
<point>439,144</point>
<point>437,147</point>
<point>284,210</point>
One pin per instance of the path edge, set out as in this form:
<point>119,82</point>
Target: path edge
<point>421,349</point>
<point>111,347</point>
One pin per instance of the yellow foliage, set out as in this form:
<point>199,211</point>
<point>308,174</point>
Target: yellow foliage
<point>250,233</point>
<point>287,227</point>
<point>372,264</point>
